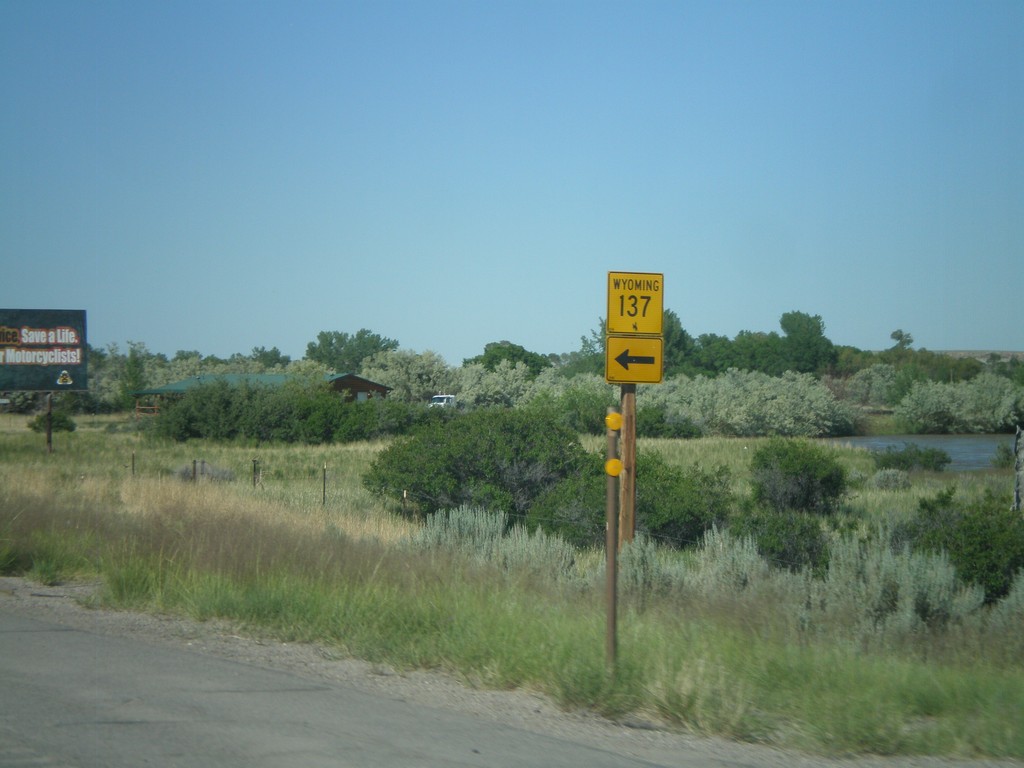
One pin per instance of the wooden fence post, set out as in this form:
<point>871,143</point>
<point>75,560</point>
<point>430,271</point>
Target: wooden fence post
<point>1018,467</point>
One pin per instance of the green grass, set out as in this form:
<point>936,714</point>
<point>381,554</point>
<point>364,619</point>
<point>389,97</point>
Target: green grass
<point>879,424</point>
<point>277,561</point>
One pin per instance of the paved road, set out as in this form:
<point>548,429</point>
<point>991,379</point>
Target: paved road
<point>72,698</point>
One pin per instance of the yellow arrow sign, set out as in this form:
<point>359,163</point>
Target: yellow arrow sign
<point>633,360</point>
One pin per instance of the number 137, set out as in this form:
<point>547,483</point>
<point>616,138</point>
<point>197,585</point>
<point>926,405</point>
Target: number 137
<point>633,305</point>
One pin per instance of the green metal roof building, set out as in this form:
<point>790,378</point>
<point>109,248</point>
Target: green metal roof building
<point>353,387</point>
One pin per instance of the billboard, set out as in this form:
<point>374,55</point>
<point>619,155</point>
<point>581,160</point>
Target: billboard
<point>42,350</point>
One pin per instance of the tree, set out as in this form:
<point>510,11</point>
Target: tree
<point>501,351</point>
<point>186,363</point>
<point>579,402</point>
<point>678,345</point>
<point>104,377</point>
<point>413,377</point>
<point>590,356</point>
<point>133,377</point>
<point>309,371</point>
<point>59,421</point>
<point>759,351</point>
<point>344,353</point>
<point>850,360</point>
<point>269,358</point>
<point>873,386</point>
<point>899,354</point>
<point>714,353</point>
<point>903,340</point>
<point>804,347</point>
<point>506,385</point>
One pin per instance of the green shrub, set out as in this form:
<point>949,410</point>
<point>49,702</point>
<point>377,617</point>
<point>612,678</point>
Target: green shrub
<point>495,459</point>
<point>212,410</point>
<point>320,416</point>
<point>746,403</point>
<point>983,539</point>
<point>575,508</point>
<point>872,386</point>
<point>486,538</point>
<point>881,591</point>
<point>640,572</point>
<point>724,565</point>
<point>1004,457</point>
<point>797,475</point>
<point>294,413</point>
<point>60,422</point>
<point>1007,615</point>
<point>203,471</point>
<point>678,506</point>
<point>787,539</point>
<point>466,529</point>
<point>657,421</point>
<point>536,553</point>
<point>985,404</point>
<point>580,402</point>
<point>911,457</point>
<point>890,480</point>
<point>673,506</point>
<point>269,415</point>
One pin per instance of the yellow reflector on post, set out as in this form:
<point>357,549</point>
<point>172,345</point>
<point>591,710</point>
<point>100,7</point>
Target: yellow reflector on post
<point>613,467</point>
<point>613,421</point>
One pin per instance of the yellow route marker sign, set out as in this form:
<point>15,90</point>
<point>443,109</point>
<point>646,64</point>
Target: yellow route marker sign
<point>636,303</point>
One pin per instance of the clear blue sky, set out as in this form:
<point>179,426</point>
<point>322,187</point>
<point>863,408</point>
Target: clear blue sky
<point>219,176</point>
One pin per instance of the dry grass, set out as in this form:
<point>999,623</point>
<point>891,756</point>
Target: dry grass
<point>277,557</point>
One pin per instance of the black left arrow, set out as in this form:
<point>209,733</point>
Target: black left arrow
<point>625,359</point>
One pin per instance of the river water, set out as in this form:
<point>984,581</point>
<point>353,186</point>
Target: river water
<point>967,452</point>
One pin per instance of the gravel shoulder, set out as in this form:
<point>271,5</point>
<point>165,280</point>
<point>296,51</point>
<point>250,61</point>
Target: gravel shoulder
<point>635,737</point>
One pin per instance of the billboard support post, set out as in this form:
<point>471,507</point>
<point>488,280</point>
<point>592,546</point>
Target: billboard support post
<point>49,422</point>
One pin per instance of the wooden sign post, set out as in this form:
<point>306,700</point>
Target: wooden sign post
<point>633,355</point>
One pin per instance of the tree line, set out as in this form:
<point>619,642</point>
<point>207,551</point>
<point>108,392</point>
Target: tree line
<point>797,367</point>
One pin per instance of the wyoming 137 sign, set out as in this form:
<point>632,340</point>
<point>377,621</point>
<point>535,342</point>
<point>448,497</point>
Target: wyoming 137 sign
<point>42,350</point>
<point>636,303</point>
